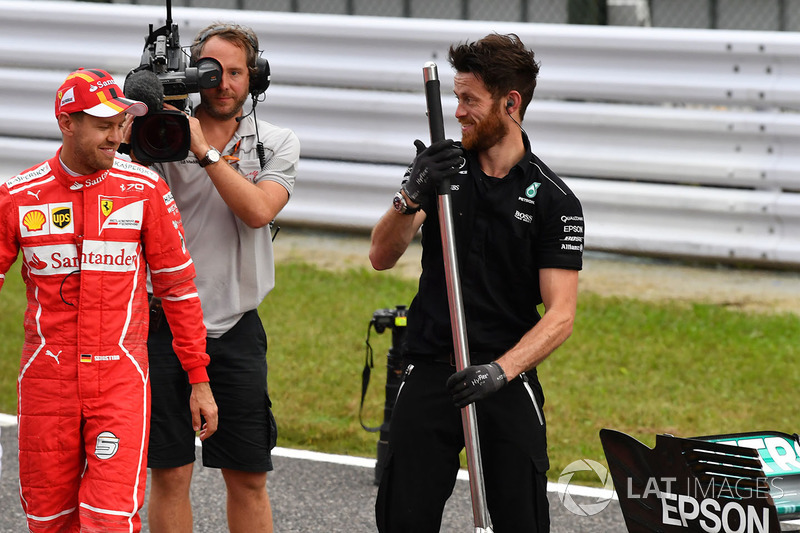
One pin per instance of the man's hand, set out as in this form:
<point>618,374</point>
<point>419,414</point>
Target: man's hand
<point>198,144</point>
<point>432,165</point>
<point>125,146</point>
<point>202,403</point>
<point>476,382</point>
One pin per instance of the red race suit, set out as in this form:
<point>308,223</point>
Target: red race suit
<point>83,385</point>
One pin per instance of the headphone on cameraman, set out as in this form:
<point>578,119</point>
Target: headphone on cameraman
<point>259,73</point>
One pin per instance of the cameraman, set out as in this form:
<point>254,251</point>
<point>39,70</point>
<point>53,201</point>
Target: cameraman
<point>227,200</point>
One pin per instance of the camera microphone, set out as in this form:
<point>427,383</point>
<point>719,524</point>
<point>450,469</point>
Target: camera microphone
<point>144,85</point>
<point>162,134</point>
<point>245,115</point>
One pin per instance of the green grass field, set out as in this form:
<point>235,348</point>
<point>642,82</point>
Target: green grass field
<point>642,368</point>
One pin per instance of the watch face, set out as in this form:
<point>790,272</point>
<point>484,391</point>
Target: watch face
<point>398,203</point>
<point>212,156</point>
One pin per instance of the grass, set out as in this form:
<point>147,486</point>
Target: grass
<point>638,367</point>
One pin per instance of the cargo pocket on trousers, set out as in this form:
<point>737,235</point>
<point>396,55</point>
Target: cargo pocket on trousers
<point>542,505</point>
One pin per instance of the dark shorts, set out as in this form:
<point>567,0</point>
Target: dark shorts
<point>426,436</point>
<point>238,372</point>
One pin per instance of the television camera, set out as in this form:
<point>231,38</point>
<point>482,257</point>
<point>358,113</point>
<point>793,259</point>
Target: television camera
<point>163,134</point>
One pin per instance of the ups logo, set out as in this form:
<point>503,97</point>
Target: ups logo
<point>62,217</point>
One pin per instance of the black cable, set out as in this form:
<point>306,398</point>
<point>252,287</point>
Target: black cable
<point>61,288</point>
<point>517,123</point>
<point>262,158</point>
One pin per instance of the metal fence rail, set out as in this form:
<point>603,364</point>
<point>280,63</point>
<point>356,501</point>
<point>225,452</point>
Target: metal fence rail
<point>678,142</point>
<point>765,15</point>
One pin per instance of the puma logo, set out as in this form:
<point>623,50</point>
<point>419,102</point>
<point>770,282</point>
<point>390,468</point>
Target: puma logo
<point>35,194</point>
<point>54,355</point>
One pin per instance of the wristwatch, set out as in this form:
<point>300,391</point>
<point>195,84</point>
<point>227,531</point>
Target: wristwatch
<point>212,156</point>
<point>401,206</point>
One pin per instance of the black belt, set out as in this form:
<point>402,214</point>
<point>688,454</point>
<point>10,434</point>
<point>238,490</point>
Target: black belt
<point>475,358</point>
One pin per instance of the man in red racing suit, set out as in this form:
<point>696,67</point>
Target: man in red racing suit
<point>89,225</point>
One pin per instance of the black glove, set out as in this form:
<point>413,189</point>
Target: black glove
<point>432,165</point>
<point>476,382</point>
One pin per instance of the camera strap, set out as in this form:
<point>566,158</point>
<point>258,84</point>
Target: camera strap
<point>365,375</point>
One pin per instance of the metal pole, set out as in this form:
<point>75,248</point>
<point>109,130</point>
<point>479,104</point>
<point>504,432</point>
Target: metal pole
<point>713,14</point>
<point>458,322</point>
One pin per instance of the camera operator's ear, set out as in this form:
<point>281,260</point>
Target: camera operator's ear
<point>259,82</point>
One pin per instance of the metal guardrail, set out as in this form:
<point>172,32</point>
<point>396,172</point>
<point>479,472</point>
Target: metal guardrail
<point>599,140</point>
<point>721,67</point>
<point>678,142</point>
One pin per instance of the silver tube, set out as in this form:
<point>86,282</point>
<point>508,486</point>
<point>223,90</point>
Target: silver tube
<point>458,321</point>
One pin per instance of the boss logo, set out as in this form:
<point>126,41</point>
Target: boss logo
<point>525,217</point>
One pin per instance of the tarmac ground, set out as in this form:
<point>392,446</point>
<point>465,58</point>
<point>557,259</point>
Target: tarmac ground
<point>310,493</point>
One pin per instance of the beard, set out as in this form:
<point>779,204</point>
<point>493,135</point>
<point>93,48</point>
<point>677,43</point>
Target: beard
<point>224,113</point>
<point>92,159</point>
<point>486,133</point>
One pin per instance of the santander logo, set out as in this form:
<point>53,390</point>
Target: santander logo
<point>100,85</point>
<point>37,263</point>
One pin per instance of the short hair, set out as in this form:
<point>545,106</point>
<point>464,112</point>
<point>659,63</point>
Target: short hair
<point>242,36</point>
<point>503,64</point>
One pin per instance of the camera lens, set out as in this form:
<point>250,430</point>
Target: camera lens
<point>161,136</point>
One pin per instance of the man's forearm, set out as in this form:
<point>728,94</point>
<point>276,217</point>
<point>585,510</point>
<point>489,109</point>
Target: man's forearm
<point>537,344</point>
<point>391,237</point>
<point>255,205</point>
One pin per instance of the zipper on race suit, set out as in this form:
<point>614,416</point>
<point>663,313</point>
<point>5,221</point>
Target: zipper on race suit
<point>536,407</point>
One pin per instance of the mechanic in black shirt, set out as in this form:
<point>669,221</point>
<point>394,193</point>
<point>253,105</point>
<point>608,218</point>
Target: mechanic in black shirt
<point>519,237</point>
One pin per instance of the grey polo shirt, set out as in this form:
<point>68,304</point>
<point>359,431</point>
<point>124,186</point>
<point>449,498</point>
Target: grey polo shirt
<point>234,263</point>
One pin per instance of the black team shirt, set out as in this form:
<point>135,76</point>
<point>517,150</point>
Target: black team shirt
<point>506,230</point>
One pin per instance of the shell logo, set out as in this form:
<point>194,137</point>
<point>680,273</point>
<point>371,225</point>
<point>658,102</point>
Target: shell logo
<point>34,220</point>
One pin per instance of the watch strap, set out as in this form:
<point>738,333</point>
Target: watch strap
<point>401,205</point>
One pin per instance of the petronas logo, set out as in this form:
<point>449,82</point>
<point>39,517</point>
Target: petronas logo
<point>530,192</point>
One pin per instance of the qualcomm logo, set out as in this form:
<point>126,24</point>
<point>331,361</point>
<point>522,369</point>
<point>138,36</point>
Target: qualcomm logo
<point>566,496</point>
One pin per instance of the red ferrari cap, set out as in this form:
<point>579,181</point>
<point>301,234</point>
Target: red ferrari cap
<point>95,92</point>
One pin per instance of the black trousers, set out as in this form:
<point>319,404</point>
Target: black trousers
<point>425,439</point>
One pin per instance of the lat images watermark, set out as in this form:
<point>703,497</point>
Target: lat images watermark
<point>566,496</point>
